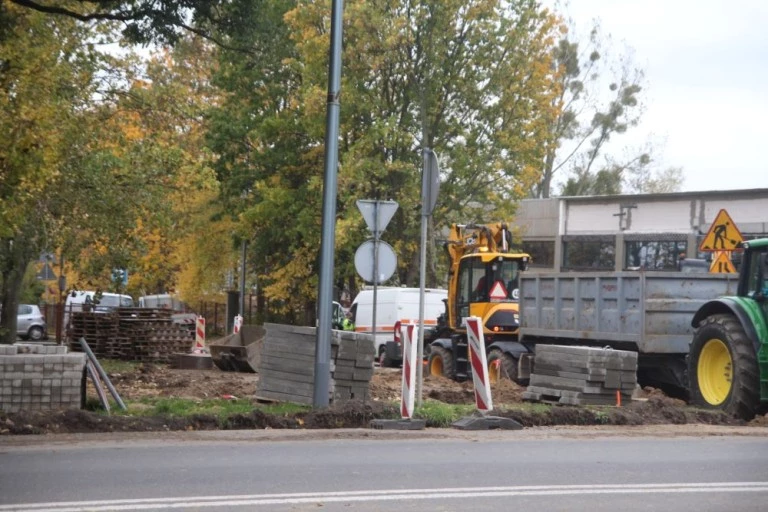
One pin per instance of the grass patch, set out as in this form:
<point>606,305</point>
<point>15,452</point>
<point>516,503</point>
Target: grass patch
<point>283,409</point>
<point>439,414</point>
<point>117,366</point>
<point>184,407</point>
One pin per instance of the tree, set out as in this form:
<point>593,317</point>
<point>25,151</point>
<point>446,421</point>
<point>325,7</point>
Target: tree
<point>164,113</point>
<point>633,176</point>
<point>468,79</point>
<point>142,21</point>
<point>97,171</point>
<point>587,122</point>
<point>45,80</point>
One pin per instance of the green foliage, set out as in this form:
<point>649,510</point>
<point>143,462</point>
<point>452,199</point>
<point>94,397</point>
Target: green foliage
<point>468,79</point>
<point>31,287</point>
<point>144,21</point>
<point>45,85</point>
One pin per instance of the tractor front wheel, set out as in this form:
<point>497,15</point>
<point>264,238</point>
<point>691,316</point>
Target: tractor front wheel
<point>722,368</point>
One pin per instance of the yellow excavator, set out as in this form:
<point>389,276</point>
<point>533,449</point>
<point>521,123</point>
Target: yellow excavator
<point>483,282</point>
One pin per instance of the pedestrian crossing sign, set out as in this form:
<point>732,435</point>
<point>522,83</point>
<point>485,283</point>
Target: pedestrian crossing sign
<point>723,235</point>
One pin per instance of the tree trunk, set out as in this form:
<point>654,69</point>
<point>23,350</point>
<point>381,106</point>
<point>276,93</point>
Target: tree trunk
<point>14,263</point>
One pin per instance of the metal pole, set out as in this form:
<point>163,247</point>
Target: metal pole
<point>102,373</point>
<point>422,281</point>
<point>242,280</point>
<point>375,265</point>
<point>320,397</point>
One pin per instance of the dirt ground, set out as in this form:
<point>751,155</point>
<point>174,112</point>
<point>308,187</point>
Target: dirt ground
<point>651,407</point>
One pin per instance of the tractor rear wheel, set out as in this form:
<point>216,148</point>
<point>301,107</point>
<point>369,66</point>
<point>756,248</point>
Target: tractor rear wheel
<point>441,362</point>
<point>501,366</point>
<point>722,368</point>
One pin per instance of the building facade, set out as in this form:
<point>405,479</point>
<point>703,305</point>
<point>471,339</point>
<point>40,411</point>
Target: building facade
<point>629,232</point>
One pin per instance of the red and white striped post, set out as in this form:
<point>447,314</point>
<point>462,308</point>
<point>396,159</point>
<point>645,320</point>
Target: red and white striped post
<point>199,345</point>
<point>479,363</point>
<point>409,372</point>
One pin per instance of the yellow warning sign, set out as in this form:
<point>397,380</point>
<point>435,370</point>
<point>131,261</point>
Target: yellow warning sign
<point>722,263</point>
<point>723,235</point>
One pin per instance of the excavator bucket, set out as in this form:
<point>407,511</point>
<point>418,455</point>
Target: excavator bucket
<point>239,352</point>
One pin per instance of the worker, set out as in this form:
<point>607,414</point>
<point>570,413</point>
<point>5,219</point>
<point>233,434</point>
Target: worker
<point>347,324</point>
<point>480,293</point>
<point>510,282</point>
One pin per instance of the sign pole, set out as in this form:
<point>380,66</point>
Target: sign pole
<point>375,265</point>
<point>422,278</point>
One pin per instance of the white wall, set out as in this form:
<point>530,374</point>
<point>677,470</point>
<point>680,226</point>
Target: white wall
<point>675,215</point>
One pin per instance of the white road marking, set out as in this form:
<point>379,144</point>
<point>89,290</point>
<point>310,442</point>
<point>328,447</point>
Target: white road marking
<point>383,495</point>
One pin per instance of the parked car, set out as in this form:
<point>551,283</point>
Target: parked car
<point>30,323</point>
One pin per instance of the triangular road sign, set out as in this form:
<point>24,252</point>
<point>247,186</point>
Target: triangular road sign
<point>723,235</point>
<point>722,264</point>
<point>498,291</point>
<point>377,214</point>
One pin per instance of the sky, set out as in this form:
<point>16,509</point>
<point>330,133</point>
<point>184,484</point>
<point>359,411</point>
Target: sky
<point>706,82</point>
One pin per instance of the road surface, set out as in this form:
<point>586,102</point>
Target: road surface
<point>671,468</point>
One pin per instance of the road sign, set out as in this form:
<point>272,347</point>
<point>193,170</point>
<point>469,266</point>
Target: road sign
<point>387,261</point>
<point>723,235</point>
<point>430,183</point>
<point>498,291</point>
<point>722,263</point>
<point>377,214</point>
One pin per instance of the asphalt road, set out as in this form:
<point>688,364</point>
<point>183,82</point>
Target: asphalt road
<point>532,470</point>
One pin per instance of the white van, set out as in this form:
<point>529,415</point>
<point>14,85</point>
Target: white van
<point>86,300</point>
<point>394,305</point>
<point>161,301</point>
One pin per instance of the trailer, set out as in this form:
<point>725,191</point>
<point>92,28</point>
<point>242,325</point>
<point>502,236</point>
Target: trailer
<point>700,336</point>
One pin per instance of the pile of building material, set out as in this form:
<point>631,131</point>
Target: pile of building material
<point>130,334</point>
<point>35,377</point>
<point>582,375</point>
<point>287,365</point>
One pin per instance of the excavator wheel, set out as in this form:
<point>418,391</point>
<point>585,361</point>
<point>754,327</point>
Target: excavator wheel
<point>722,367</point>
<point>501,366</point>
<point>441,362</point>
<point>384,361</point>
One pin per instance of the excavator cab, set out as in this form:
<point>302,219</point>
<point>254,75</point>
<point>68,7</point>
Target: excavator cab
<point>487,282</point>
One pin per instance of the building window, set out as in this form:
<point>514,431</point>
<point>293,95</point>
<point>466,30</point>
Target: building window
<point>542,253</point>
<point>589,254</point>
<point>654,254</point>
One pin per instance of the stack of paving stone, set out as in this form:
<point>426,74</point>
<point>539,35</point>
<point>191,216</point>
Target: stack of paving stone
<point>287,365</point>
<point>582,375</point>
<point>353,366</point>
<point>37,377</point>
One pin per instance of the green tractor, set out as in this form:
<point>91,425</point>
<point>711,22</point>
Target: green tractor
<point>728,357</point>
